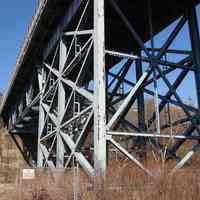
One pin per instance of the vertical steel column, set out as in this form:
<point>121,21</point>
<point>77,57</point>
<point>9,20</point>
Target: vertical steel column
<point>41,118</point>
<point>99,90</point>
<point>195,43</point>
<point>140,105</point>
<point>61,108</point>
<point>156,102</point>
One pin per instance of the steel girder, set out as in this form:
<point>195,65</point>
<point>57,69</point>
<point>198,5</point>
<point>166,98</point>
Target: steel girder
<point>83,92</point>
<point>23,120</point>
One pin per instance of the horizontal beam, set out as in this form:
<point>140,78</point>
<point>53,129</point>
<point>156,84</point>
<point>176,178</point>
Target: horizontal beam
<point>149,60</point>
<point>153,135</point>
<point>172,51</point>
<point>84,32</point>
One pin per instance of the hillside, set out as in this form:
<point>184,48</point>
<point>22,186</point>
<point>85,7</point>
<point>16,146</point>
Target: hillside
<point>10,162</point>
<point>9,154</point>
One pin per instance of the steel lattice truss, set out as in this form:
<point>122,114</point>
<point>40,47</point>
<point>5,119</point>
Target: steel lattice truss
<point>81,93</point>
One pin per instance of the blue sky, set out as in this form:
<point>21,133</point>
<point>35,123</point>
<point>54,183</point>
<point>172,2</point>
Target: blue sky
<point>14,19</point>
<point>15,16</point>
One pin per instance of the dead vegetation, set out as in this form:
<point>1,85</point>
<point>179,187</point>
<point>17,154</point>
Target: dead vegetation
<point>124,181</point>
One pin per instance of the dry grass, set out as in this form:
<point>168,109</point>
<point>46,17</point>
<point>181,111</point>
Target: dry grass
<point>124,182</point>
<point>130,183</point>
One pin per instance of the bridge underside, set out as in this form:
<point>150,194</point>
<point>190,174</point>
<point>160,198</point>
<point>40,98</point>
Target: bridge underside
<point>82,83</point>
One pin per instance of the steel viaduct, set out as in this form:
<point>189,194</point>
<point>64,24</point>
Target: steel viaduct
<point>82,67</point>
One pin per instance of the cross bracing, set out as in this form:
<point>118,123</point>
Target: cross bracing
<point>76,85</point>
